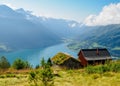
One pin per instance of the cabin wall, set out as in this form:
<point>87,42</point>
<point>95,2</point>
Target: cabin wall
<point>82,59</point>
<point>96,62</point>
<point>71,64</point>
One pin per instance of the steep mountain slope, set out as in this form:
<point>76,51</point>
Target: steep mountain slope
<point>16,32</point>
<point>60,27</point>
<point>63,28</point>
<point>20,29</point>
<point>99,36</point>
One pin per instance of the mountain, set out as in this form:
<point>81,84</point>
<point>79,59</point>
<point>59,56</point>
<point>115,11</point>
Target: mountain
<point>99,36</point>
<point>17,32</point>
<point>21,29</point>
<point>6,12</point>
<point>63,28</point>
<point>60,27</point>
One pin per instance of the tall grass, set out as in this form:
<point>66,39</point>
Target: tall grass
<point>113,66</point>
<point>100,75</point>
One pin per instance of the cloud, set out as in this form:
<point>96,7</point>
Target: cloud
<point>72,25</point>
<point>109,15</point>
<point>10,5</point>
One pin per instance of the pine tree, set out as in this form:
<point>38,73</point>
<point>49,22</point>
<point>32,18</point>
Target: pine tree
<point>4,64</point>
<point>49,62</point>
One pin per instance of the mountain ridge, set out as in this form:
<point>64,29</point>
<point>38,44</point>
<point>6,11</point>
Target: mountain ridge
<point>99,36</point>
<point>21,29</point>
<point>18,32</point>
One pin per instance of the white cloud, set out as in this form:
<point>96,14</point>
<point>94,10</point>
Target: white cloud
<point>109,15</point>
<point>9,5</point>
<point>72,25</point>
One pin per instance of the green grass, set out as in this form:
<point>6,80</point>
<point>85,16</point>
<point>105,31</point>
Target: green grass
<point>69,78</point>
<point>113,66</point>
<point>100,75</point>
<point>76,78</point>
<point>17,80</point>
<point>60,57</point>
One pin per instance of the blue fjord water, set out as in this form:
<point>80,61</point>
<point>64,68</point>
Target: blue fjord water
<point>34,55</point>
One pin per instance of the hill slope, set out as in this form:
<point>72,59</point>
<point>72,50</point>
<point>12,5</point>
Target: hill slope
<point>99,36</point>
<point>16,32</point>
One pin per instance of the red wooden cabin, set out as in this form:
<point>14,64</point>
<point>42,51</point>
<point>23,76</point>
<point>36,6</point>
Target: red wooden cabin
<point>93,56</point>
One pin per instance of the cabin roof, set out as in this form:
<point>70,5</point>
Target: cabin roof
<point>60,57</point>
<point>95,54</point>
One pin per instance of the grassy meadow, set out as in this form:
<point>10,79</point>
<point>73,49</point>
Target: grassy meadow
<point>67,78</point>
<point>99,75</point>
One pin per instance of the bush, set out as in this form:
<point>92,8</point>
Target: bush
<point>33,78</point>
<point>20,64</point>
<point>27,65</point>
<point>111,67</point>
<point>37,66</point>
<point>44,75</point>
<point>95,76</point>
<point>4,64</point>
<point>10,75</point>
<point>115,67</point>
<point>2,76</point>
<point>49,62</point>
<point>90,69</point>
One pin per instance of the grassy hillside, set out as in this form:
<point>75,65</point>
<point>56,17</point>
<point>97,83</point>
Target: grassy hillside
<point>101,36</point>
<point>101,75</point>
<point>68,78</point>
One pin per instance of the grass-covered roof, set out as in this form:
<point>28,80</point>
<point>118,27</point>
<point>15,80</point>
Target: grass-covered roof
<point>60,57</point>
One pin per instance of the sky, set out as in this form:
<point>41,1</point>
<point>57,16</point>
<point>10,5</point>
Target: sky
<point>78,10</point>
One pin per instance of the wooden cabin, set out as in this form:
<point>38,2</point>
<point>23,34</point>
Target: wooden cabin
<point>93,56</point>
<point>66,61</point>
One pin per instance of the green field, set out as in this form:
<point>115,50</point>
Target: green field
<point>65,78</point>
<point>107,74</point>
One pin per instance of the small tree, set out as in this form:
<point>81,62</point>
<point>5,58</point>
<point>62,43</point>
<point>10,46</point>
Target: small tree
<point>45,74</point>
<point>27,65</point>
<point>18,64</point>
<point>33,78</point>
<point>4,64</point>
<point>21,64</point>
<point>42,62</point>
<point>49,62</point>
<point>37,66</point>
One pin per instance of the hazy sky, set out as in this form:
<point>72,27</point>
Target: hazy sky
<point>66,9</point>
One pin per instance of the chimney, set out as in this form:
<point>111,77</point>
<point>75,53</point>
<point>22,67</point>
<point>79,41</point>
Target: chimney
<point>97,52</point>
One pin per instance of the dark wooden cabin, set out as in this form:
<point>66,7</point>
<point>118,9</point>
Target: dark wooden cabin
<point>66,61</point>
<point>93,56</point>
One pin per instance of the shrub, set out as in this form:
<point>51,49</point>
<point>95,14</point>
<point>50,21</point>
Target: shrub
<point>95,76</point>
<point>27,65</point>
<point>20,64</point>
<point>33,78</point>
<point>4,64</point>
<point>89,69</point>
<point>2,76</point>
<point>44,75</point>
<point>10,75</point>
<point>37,66</point>
<point>42,62</point>
<point>108,67</point>
<point>49,62</point>
<point>115,67</point>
